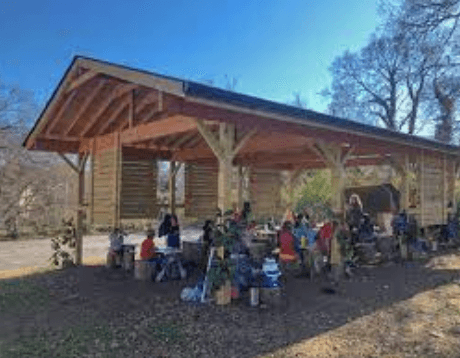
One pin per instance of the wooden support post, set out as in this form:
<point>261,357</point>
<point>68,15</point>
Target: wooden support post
<point>224,185</point>
<point>117,179</point>
<point>406,182</point>
<point>225,149</point>
<point>81,208</point>
<point>239,188</point>
<point>93,168</point>
<point>172,187</point>
<point>335,159</point>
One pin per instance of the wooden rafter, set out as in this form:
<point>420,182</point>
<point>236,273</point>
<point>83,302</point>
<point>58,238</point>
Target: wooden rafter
<point>85,105</point>
<point>184,139</point>
<point>61,111</point>
<point>81,80</point>
<point>120,107</point>
<point>147,117</point>
<point>115,94</point>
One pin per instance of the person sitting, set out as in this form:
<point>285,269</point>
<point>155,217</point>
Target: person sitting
<point>207,242</point>
<point>366,229</point>
<point>174,233</point>
<point>165,226</point>
<point>288,252</point>
<point>116,245</point>
<point>148,251</point>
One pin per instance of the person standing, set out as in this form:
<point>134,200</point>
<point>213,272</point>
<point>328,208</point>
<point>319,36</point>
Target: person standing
<point>339,251</point>
<point>354,216</point>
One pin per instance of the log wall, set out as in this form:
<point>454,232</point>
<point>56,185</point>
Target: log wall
<point>124,187</point>
<point>201,191</point>
<point>265,192</point>
<point>104,192</point>
<point>138,188</point>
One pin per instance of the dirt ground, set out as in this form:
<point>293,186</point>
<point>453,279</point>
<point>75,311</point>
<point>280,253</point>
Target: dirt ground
<point>395,311</point>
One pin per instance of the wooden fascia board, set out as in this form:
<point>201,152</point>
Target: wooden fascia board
<point>157,129</point>
<point>133,76</point>
<point>309,123</point>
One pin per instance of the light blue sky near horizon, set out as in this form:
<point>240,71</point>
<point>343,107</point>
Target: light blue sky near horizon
<point>273,48</point>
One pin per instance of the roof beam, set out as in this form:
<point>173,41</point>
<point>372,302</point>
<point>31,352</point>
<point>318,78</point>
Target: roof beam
<point>85,105</point>
<point>116,93</point>
<point>157,129</point>
<point>81,80</point>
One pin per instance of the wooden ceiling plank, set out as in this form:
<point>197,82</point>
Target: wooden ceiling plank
<point>81,80</point>
<point>61,111</point>
<point>85,105</point>
<point>119,91</point>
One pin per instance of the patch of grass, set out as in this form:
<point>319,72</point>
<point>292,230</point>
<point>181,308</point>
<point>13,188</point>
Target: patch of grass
<point>169,332</point>
<point>72,343</point>
<point>20,296</point>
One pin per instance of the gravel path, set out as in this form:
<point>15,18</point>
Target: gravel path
<point>16,255</point>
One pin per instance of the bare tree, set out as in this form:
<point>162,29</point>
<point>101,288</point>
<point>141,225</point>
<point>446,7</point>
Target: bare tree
<point>435,22</point>
<point>31,183</point>
<point>401,79</point>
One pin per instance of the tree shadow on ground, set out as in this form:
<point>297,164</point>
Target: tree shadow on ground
<point>159,324</point>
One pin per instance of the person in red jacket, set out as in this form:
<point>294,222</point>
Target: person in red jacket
<point>288,252</point>
<point>323,244</point>
<point>148,251</point>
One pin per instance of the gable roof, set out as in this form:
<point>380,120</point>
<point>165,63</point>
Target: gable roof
<point>206,94</point>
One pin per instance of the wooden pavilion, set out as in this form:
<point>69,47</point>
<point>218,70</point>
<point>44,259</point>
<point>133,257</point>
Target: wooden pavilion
<point>125,119</point>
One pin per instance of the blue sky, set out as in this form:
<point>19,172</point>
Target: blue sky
<point>273,48</point>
